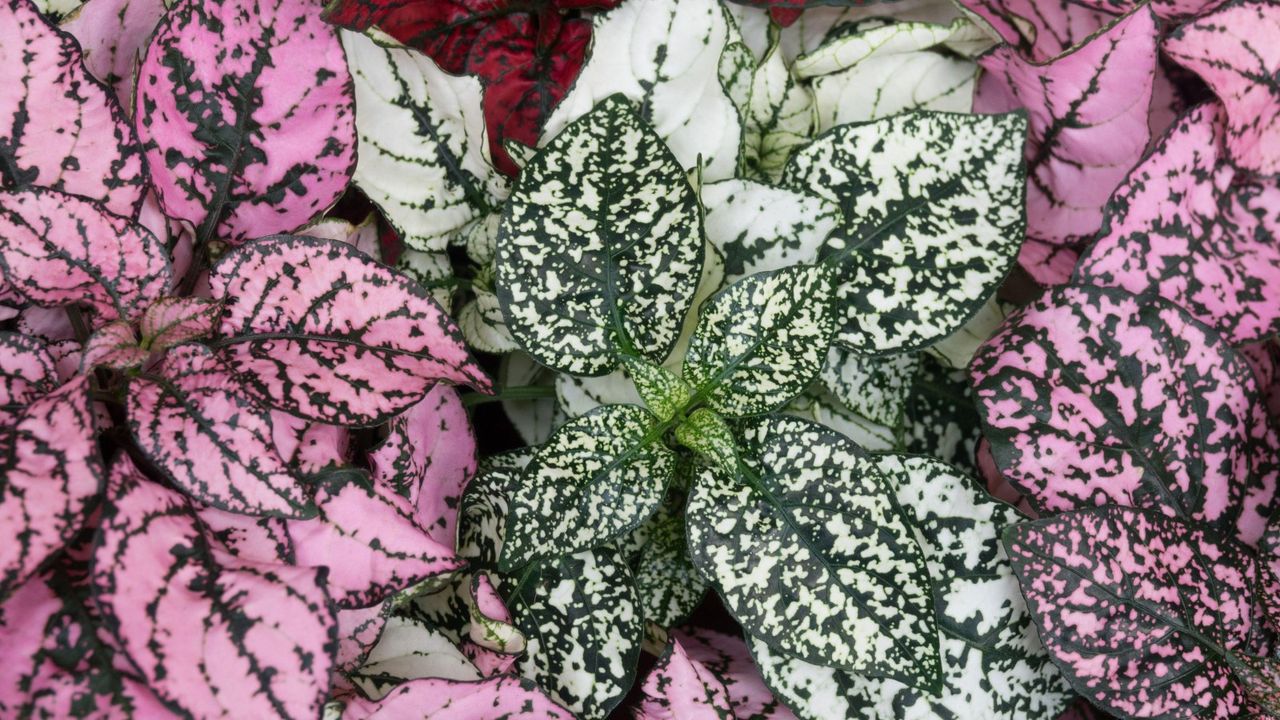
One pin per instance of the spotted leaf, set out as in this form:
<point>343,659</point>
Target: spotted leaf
<point>114,35</point>
<point>993,666</point>
<point>49,473</point>
<point>113,345</point>
<point>194,422</point>
<point>27,371</point>
<point>663,392</point>
<point>1234,50</point>
<point>812,555</point>
<point>707,434</point>
<point>62,249</point>
<point>1165,9</point>
<point>423,154</point>
<point>60,128</point>
<point>758,227</point>
<point>319,330</point>
<point>779,115</point>
<point>209,635</point>
<point>1041,30</point>
<point>408,650</point>
<point>875,388</point>
<point>505,697</point>
<point>172,321</point>
<point>932,220</point>
<point>600,245</point>
<point>761,340</point>
<point>599,476</point>
<point>246,116</point>
<point>680,687</point>
<point>1185,226</point>
<point>359,630</point>
<point>1145,615</point>
<point>667,584</point>
<point>1091,396</point>
<point>728,659</point>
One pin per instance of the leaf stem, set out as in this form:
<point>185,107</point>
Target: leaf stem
<point>516,392</point>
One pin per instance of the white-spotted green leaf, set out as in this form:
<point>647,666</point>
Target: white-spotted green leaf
<point>942,419</point>
<point>758,227</point>
<point>779,115</point>
<point>812,555</point>
<point>875,388</point>
<point>600,246</point>
<point>577,396</point>
<point>665,55</point>
<point>667,584</point>
<point>663,392</point>
<point>933,206</point>
<point>993,665</point>
<point>762,339</point>
<point>423,153</point>
<point>430,269</point>
<point>599,476</point>
<point>707,434</point>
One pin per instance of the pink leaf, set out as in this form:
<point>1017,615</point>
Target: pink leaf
<point>27,371</point>
<point>679,687</point>
<point>359,629</point>
<point>1041,29</point>
<point>366,535</point>
<point>493,643</point>
<point>503,697</point>
<point>113,345</point>
<point>196,424</point>
<point>1048,264</point>
<point>211,635</point>
<point>309,446</point>
<point>727,658</point>
<point>49,471</point>
<point>246,115</point>
<point>1091,396</point>
<point>1088,121</point>
<point>174,320</point>
<point>1145,615</point>
<point>429,456</point>
<point>1165,9</point>
<point>61,249</point>
<point>1237,52</point>
<point>60,128</point>
<point>50,323</point>
<point>247,537</point>
<point>114,34</point>
<point>319,330</point>
<point>1185,226</point>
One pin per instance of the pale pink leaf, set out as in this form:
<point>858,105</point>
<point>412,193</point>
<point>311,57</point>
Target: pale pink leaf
<point>728,659</point>
<point>493,643</point>
<point>113,345</point>
<point>1040,29</point>
<point>680,688</point>
<point>27,371</point>
<point>1166,9</point>
<point>113,35</point>
<point>503,697</point>
<point>1048,264</point>
<point>309,446</point>
<point>51,323</point>
<point>248,537</point>
<point>172,321</point>
<point>59,127</point>
<point>358,632</point>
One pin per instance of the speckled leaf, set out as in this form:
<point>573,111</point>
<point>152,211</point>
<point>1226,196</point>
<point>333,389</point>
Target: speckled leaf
<point>993,666</point>
<point>210,635</point>
<point>758,227</point>
<point>113,345</point>
<point>779,117</point>
<point>707,434</point>
<point>500,697</point>
<point>667,584</point>
<point>319,330</point>
<point>1235,50</point>
<point>408,650</point>
<point>1040,30</point>
<point>62,249</point>
<point>933,219</point>
<point>482,324</point>
<point>1166,9</point>
<point>114,35</point>
<point>27,371</point>
<point>679,687</point>
<point>49,473</point>
<point>663,392</point>
<point>172,321</point>
<point>727,658</point>
<point>599,476</point>
<point>1146,616</point>
<point>876,388</point>
<point>1186,226</point>
<point>941,420</point>
<point>246,116</point>
<point>813,556</point>
<point>1087,112</point>
<point>1092,396</point>
<point>423,154</point>
<point>761,340</point>
<point>194,422</point>
<point>359,630</point>
<point>672,76</point>
<point>60,128</point>
<point>600,245</point>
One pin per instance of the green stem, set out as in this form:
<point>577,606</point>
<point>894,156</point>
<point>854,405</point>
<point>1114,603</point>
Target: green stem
<point>517,392</point>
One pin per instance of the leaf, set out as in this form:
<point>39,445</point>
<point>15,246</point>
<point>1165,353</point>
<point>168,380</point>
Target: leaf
<point>932,205</point>
<point>483,326</point>
<point>673,78</point>
<point>1087,116</point>
<point>195,423</point>
<point>1144,615</point>
<point>409,650</point>
<point>509,697</point>
<point>113,345</point>
<point>761,340</point>
<point>1041,30</point>
<point>424,158</point>
<point>1233,50</point>
<point>49,475</point>
<point>876,388</point>
<point>599,245</point>
<point>534,418</point>
<point>993,666</point>
<point>1185,227</point>
<point>1092,396</point>
<point>1164,9</point>
<point>359,630</point>
<point>812,555</point>
<point>758,227</point>
<point>172,321</point>
<point>663,391</point>
<point>707,434</point>
<point>246,117</point>
<point>309,447</point>
<point>726,657</point>
<point>59,128</point>
<point>491,627</point>
<point>599,476</point>
<point>667,585</point>
<point>263,642</point>
<point>27,372</point>
<point>780,115</point>
<point>680,687</point>
<point>317,329</point>
<point>62,250</point>
<point>114,35</point>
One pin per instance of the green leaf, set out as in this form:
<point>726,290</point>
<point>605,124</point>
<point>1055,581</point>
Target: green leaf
<point>762,339</point>
<point>993,665</point>
<point>758,227</point>
<point>600,246</point>
<point>812,555</point>
<point>875,388</point>
<point>667,584</point>
<point>707,434</point>
<point>663,391</point>
<point>933,206</point>
<point>599,476</point>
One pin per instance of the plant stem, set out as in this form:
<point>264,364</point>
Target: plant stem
<point>518,392</point>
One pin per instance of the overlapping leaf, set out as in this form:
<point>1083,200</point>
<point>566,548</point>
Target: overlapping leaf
<point>1092,396</point>
<point>114,345</point>
<point>758,227</point>
<point>667,585</point>
<point>505,697</point>
<point>727,658</point>
<point>1042,29</point>
<point>680,687</point>
<point>114,35</point>
<point>172,321</point>
<point>779,117</point>
<point>27,371</point>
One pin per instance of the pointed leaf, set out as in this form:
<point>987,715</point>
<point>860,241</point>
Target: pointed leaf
<point>758,227</point>
<point>317,329</point>
<point>113,345</point>
<point>114,35</point>
<point>172,321</point>
<point>27,371</point>
<point>505,697</point>
<point>680,687</point>
<point>933,218</point>
<point>409,650</point>
<point>258,539</point>
<point>1092,396</point>
<point>1041,29</point>
<point>599,245</point>
<point>60,128</point>
<point>667,584</point>
<point>707,434</point>
<point>246,115</point>
<point>62,250</point>
<point>780,115</point>
<point>263,635</point>
<point>727,658</point>
<point>813,556</point>
<point>876,388</point>
<point>359,630</point>
<point>663,391</point>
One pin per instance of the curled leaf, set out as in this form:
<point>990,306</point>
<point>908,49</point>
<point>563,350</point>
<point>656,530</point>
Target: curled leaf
<point>113,345</point>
